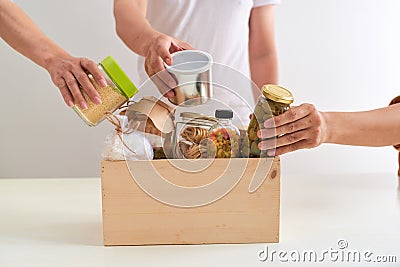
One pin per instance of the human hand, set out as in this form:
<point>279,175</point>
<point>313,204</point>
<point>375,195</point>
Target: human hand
<point>159,51</point>
<point>69,74</point>
<point>300,127</point>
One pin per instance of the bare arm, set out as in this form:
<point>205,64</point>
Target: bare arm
<point>132,26</point>
<point>20,32</point>
<point>305,127</point>
<point>262,50</point>
<point>379,127</point>
<point>136,32</point>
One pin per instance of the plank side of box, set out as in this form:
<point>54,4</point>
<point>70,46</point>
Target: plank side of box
<point>131,217</point>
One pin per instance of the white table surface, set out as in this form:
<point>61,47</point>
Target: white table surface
<point>57,222</point>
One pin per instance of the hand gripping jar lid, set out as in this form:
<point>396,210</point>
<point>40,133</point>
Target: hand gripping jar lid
<point>278,94</point>
<point>118,76</point>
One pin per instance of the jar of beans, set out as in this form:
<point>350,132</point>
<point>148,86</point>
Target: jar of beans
<point>117,92</point>
<point>274,101</point>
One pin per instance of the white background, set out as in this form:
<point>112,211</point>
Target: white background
<point>338,54</point>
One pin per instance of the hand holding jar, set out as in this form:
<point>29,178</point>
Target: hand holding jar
<point>301,127</point>
<point>119,88</point>
<point>274,101</point>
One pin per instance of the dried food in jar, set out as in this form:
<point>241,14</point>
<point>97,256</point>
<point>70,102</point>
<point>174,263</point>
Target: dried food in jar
<point>111,99</point>
<point>194,134</point>
<point>118,91</point>
<point>225,135</point>
<point>226,143</point>
<point>192,130</point>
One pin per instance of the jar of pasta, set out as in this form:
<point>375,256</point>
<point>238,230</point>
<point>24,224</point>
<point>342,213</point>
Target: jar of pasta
<point>224,135</point>
<point>118,91</point>
<point>190,134</point>
<point>274,101</point>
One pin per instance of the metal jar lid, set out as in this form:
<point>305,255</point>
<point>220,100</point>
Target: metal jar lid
<point>197,116</point>
<point>278,94</point>
<point>224,114</point>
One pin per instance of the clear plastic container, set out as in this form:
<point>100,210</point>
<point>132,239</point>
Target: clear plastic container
<point>224,135</point>
<point>117,92</point>
<point>274,101</point>
<point>190,131</point>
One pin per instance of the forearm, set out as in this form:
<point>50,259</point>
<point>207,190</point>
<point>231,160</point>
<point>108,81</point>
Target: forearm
<point>132,26</point>
<point>20,32</point>
<point>262,49</point>
<point>380,127</point>
<point>264,69</point>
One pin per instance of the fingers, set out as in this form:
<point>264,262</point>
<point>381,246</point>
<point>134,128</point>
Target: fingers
<point>86,85</point>
<point>68,99</point>
<point>289,148</point>
<point>162,79</point>
<point>74,89</point>
<point>92,68</point>
<point>290,127</point>
<point>312,135</point>
<point>164,89</point>
<point>155,65</point>
<point>288,143</point>
<point>69,74</point>
<point>163,51</point>
<point>293,114</point>
<point>183,45</point>
<point>301,127</point>
<point>295,119</point>
<point>159,52</point>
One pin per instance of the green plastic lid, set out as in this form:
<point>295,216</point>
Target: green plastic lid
<point>118,76</point>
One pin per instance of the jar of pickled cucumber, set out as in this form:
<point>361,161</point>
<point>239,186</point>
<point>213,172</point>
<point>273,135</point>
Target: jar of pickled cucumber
<point>274,101</point>
<point>224,135</point>
<point>118,91</point>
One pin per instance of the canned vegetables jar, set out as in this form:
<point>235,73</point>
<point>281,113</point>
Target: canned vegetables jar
<point>274,101</point>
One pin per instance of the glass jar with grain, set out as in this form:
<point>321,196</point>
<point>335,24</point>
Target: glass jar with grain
<point>274,101</point>
<point>117,92</point>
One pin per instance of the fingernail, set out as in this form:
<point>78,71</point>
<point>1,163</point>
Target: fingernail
<point>97,100</point>
<point>83,105</point>
<point>103,83</point>
<point>70,103</point>
<point>171,94</point>
<point>271,152</point>
<point>260,146</point>
<point>259,134</point>
<point>269,123</point>
<point>168,61</point>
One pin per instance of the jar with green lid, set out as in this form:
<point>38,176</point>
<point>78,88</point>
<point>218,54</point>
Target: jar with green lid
<point>275,100</point>
<point>117,92</point>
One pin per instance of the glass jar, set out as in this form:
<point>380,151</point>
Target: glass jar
<point>224,135</point>
<point>190,131</point>
<point>118,91</point>
<point>274,101</point>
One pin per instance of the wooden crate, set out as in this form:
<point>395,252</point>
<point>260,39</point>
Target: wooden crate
<point>132,217</point>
